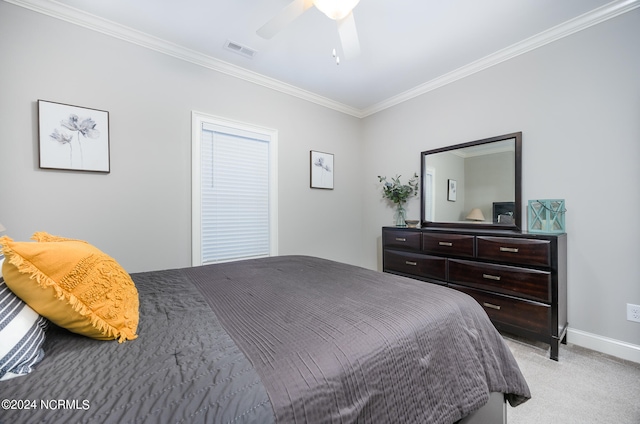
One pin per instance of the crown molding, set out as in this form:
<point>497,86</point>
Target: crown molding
<point>594,17</point>
<point>75,16</point>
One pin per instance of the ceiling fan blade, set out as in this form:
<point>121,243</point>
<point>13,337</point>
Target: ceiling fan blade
<point>287,15</point>
<point>349,36</point>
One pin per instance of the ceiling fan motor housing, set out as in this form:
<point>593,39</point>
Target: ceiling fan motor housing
<point>336,9</point>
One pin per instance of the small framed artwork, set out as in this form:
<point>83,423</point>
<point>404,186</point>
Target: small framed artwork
<point>452,190</point>
<point>73,137</point>
<point>321,170</point>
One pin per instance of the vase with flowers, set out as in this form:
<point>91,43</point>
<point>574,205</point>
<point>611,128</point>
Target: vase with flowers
<point>399,193</point>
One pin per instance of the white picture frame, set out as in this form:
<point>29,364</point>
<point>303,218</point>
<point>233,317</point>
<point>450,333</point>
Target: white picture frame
<point>73,137</point>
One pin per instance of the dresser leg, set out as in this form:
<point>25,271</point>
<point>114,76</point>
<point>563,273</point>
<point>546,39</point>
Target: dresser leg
<point>555,349</point>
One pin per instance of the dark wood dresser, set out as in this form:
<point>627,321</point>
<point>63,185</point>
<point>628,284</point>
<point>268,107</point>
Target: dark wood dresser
<point>520,279</point>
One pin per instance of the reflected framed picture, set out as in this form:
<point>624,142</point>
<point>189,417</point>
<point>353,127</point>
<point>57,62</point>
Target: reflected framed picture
<point>452,191</point>
<point>321,170</point>
<point>73,137</point>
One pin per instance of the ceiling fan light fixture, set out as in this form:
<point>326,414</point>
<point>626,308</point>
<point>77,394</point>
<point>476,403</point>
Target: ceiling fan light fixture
<point>336,9</point>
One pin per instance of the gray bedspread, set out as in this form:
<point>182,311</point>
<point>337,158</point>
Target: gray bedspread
<point>287,339</point>
<point>182,368</point>
<point>335,343</point>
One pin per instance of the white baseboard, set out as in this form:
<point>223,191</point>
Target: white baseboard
<point>613,347</point>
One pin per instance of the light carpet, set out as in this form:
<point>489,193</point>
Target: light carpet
<point>583,387</point>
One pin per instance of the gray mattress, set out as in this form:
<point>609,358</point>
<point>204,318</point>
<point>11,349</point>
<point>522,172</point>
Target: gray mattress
<point>287,339</point>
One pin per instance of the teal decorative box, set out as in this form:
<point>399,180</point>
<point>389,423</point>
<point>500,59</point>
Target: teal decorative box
<point>546,216</point>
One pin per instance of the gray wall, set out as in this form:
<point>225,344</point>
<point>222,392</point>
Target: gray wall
<point>486,182</point>
<point>577,102</point>
<point>140,213</point>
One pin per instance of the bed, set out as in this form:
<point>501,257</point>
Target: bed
<point>287,339</point>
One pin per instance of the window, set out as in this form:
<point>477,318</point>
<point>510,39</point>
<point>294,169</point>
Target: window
<point>234,190</point>
<point>429,193</point>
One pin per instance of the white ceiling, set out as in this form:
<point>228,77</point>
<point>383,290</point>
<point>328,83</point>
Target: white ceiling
<point>407,46</point>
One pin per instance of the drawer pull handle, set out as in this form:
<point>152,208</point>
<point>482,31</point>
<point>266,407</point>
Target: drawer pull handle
<point>491,277</point>
<point>411,263</point>
<point>445,243</point>
<point>401,239</point>
<point>492,306</point>
<point>509,249</point>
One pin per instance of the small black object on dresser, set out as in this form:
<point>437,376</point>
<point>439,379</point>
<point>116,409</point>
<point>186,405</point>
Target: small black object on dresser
<point>520,279</point>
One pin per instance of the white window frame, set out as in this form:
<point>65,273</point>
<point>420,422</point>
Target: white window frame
<point>429,188</point>
<point>198,119</point>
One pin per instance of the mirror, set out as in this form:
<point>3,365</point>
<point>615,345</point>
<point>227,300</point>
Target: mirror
<point>473,185</point>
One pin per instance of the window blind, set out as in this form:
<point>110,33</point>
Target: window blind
<point>428,184</point>
<point>234,195</point>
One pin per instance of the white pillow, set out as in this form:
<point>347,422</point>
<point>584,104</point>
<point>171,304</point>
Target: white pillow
<point>22,333</point>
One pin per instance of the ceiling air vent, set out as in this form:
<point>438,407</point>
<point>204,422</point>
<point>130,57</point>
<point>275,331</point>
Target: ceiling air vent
<point>240,49</point>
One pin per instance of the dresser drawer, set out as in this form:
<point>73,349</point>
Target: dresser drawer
<point>521,282</point>
<point>448,244</point>
<point>530,316</point>
<point>402,239</point>
<point>515,250</point>
<point>415,264</point>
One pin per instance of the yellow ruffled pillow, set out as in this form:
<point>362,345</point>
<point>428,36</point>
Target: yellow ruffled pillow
<point>73,284</point>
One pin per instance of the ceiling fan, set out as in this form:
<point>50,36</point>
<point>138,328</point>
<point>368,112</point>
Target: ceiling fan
<point>338,10</point>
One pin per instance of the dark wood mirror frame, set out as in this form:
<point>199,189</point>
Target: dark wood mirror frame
<point>518,218</point>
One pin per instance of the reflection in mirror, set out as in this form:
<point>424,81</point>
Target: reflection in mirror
<point>473,184</point>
